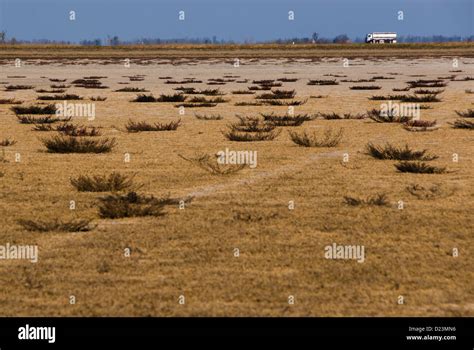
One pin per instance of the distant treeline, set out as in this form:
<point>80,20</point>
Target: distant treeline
<point>339,39</point>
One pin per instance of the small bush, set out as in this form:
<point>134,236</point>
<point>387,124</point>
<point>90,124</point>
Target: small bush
<point>420,125</point>
<point>77,130</point>
<point>379,199</point>
<point>434,191</point>
<point>131,205</point>
<point>463,124</point>
<point>323,82</point>
<point>144,98</point>
<point>419,168</point>
<point>70,144</point>
<point>426,83</point>
<point>7,142</point>
<point>277,94</point>
<point>171,98</point>
<point>210,164</point>
<point>205,100</point>
<point>389,151</point>
<point>131,89</point>
<point>144,126</point>
<point>18,87</point>
<point>49,109</point>
<point>98,98</point>
<point>60,97</point>
<point>336,116</point>
<point>284,103</point>
<point>251,124</point>
<point>467,114</point>
<point>28,119</point>
<point>208,117</point>
<point>76,225</point>
<point>286,120</point>
<point>102,183</point>
<point>381,117</point>
<point>428,92</point>
<point>329,138</point>
<point>9,101</point>
<point>243,92</point>
<point>196,105</point>
<point>233,135</point>
<point>365,87</point>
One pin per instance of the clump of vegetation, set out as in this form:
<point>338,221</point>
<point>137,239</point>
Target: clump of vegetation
<point>209,101</point>
<point>28,119</point>
<point>251,136</point>
<point>287,80</point>
<point>243,92</point>
<point>418,168</point>
<point>196,105</point>
<point>49,109</point>
<point>431,192</point>
<point>286,120</point>
<point>389,151</point>
<point>131,205</point>
<point>381,77</point>
<point>251,124</point>
<point>401,89</point>
<point>428,92</point>
<point>75,225</point>
<point>60,97</point>
<point>252,103</point>
<point>379,199</point>
<point>98,98</point>
<point>251,129</point>
<point>421,83</point>
<point>467,114</point>
<point>7,142</point>
<point>144,126</point>
<point>384,117</point>
<point>71,144</point>
<point>18,87</point>
<point>145,98</point>
<point>277,94</point>
<point>131,89</point>
<point>336,116</point>
<point>463,124</point>
<point>103,183</point>
<point>171,98</point>
<point>322,82</point>
<point>329,138</point>
<point>9,101</point>
<point>423,98</point>
<point>77,130</point>
<point>420,125</point>
<point>284,103</point>
<point>210,164</point>
<point>208,117</point>
<point>365,87</point>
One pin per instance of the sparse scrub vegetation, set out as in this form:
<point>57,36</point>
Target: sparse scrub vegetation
<point>144,126</point>
<point>71,144</point>
<point>75,225</point>
<point>418,168</point>
<point>329,138</point>
<point>379,199</point>
<point>389,151</point>
<point>117,206</point>
<point>210,164</point>
<point>102,183</point>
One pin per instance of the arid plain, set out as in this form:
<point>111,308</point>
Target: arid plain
<point>236,248</point>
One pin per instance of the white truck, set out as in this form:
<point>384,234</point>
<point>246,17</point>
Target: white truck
<point>381,38</point>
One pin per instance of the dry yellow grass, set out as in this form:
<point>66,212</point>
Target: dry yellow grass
<point>190,251</point>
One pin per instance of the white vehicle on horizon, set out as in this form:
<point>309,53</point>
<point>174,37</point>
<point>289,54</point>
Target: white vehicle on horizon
<point>381,38</point>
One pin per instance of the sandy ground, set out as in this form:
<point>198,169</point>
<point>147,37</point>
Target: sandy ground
<point>191,252</point>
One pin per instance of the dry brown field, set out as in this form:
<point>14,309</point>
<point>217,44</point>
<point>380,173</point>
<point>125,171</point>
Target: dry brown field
<point>190,251</point>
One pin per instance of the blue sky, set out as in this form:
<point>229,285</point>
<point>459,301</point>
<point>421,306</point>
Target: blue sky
<point>237,20</point>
